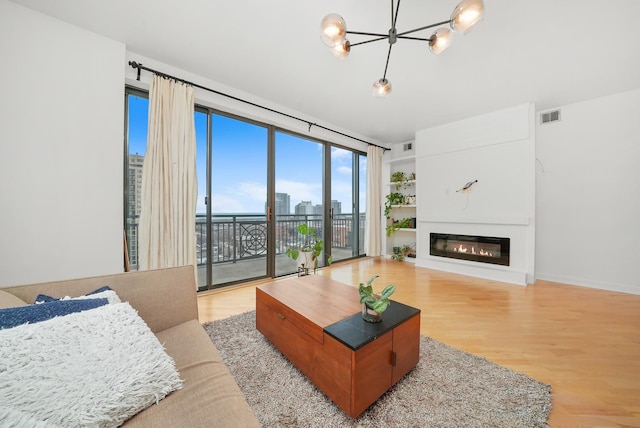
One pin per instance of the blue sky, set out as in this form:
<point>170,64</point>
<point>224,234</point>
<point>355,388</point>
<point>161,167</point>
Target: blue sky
<point>239,164</point>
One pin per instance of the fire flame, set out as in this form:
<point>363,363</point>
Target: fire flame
<point>462,249</point>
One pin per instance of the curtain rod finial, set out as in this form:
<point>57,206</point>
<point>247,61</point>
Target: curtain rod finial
<point>134,64</point>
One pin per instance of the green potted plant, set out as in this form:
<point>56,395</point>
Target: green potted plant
<point>373,305</point>
<point>309,251</point>
<point>402,179</point>
<point>393,198</point>
<point>403,252</point>
<point>397,178</point>
<point>397,224</point>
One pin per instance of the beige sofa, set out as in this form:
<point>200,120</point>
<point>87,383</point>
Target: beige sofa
<point>166,300</point>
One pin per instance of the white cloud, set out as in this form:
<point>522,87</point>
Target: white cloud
<point>344,170</point>
<point>338,153</point>
<point>229,204</point>
<point>253,190</point>
<point>341,191</point>
<point>299,191</point>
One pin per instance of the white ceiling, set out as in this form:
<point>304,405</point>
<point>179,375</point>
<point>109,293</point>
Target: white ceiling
<point>551,52</point>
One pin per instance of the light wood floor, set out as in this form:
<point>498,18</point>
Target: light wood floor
<point>584,342</point>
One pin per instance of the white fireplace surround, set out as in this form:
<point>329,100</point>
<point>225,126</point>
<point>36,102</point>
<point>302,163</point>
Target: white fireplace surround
<point>498,150</point>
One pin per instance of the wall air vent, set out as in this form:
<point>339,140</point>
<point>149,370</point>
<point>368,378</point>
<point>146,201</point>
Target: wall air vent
<point>549,116</point>
<point>407,146</point>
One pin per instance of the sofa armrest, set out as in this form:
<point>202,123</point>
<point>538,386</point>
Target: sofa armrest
<point>163,298</point>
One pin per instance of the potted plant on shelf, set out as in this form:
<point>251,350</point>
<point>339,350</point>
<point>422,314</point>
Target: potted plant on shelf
<point>373,305</point>
<point>401,179</point>
<point>403,251</point>
<point>308,252</point>
<point>397,178</point>
<point>404,223</point>
<point>392,199</point>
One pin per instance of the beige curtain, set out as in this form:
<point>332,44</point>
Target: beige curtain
<point>373,225</point>
<point>169,184</point>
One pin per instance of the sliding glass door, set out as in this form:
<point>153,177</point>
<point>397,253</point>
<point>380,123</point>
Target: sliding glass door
<point>361,178</point>
<point>298,195</point>
<point>347,204</point>
<point>234,209</point>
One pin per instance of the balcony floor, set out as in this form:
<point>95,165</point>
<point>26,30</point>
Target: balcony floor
<point>242,270</point>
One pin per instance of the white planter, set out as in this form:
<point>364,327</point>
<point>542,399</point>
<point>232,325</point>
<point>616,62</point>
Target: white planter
<point>305,260</point>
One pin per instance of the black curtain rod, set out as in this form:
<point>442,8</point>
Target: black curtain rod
<point>141,67</point>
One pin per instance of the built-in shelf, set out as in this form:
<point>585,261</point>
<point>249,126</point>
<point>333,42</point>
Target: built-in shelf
<point>406,259</point>
<point>401,183</point>
<point>513,220</point>
<point>409,259</point>
<point>405,163</point>
<point>403,206</point>
<point>401,159</point>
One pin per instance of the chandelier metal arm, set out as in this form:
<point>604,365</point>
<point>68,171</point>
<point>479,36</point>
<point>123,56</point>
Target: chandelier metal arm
<point>362,33</point>
<point>422,39</point>
<point>394,18</point>
<point>437,24</point>
<point>384,76</point>
<point>368,41</point>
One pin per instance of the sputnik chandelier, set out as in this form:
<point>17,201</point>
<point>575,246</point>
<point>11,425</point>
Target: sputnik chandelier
<point>334,33</point>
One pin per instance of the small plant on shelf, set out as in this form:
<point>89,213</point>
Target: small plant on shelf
<point>392,199</point>
<point>398,178</point>
<point>372,304</point>
<point>403,251</point>
<point>398,224</point>
<point>401,179</point>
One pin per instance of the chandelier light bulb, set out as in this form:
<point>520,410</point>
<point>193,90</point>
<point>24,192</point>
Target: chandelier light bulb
<point>466,15</point>
<point>333,30</point>
<point>341,50</point>
<point>440,40</point>
<point>381,87</point>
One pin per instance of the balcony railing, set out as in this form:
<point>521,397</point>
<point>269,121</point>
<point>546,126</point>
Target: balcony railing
<point>244,236</point>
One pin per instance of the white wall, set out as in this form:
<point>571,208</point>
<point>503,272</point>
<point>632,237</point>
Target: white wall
<point>588,194</point>
<point>497,149</point>
<point>61,149</point>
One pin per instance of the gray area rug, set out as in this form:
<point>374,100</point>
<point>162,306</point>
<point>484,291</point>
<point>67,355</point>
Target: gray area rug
<point>448,388</point>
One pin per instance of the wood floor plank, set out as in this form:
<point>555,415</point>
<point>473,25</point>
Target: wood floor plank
<point>584,342</point>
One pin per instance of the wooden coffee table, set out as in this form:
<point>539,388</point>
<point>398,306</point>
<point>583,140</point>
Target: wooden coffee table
<point>316,323</point>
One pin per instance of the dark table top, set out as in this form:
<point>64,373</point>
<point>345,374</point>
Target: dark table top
<point>355,332</point>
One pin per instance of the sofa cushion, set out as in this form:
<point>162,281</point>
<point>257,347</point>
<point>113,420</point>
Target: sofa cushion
<point>91,368</point>
<point>8,300</point>
<point>12,317</point>
<point>209,397</point>
<point>101,293</point>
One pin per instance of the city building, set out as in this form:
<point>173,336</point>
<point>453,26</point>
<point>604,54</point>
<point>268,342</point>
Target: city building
<point>283,204</point>
<point>305,208</point>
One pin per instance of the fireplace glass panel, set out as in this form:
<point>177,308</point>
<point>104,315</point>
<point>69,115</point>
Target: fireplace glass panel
<point>484,249</point>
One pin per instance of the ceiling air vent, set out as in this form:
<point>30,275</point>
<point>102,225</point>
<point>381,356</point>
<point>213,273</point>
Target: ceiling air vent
<point>407,146</point>
<point>550,116</point>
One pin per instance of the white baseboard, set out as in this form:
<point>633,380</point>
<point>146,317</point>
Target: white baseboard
<point>583,282</point>
<point>486,272</point>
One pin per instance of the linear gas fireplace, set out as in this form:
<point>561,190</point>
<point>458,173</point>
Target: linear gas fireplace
<point>483,249</point>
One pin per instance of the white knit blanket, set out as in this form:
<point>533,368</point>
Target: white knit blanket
<point>94,368</point>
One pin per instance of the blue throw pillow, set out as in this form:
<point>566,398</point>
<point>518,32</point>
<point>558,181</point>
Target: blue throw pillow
<point>44,298</point>
<point>12,317</point>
